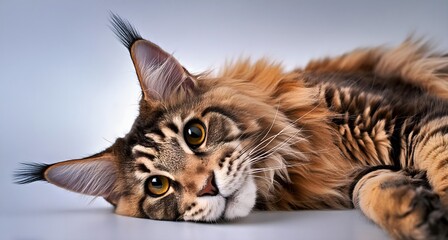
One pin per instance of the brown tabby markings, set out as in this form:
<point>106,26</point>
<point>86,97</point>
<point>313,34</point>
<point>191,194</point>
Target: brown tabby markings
<point>368,129</point>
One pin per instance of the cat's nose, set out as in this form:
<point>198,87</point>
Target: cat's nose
<point>210,188</point>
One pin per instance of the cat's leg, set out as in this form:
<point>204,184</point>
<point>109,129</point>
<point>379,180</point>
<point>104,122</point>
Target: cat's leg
<point>402,203</point>
<point>431,155</point>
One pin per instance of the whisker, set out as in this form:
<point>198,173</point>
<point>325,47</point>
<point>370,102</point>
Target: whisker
<point>265,169</point>
<point>277,147</point>
<point>270,139</point>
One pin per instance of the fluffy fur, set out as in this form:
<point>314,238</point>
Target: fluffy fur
<point>337,134</point>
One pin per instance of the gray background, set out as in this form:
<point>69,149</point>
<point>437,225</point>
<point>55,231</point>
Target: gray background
<point>68,88</point>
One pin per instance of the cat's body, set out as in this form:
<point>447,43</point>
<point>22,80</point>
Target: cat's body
<point>367,130</point>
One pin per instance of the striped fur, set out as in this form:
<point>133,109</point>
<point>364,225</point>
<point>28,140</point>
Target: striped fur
<point>368,129</point>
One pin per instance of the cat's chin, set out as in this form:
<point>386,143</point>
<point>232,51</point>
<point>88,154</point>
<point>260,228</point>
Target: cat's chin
<point>242,201</point>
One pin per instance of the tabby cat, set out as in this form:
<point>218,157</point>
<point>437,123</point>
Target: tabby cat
<point>367,130</point>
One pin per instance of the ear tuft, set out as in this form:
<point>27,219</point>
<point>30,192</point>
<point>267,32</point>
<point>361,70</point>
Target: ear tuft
<point>124,30</point>
<point>161,76</point>
<point>30,172</point>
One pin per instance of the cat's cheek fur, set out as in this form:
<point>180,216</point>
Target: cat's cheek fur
<point>242,202</point>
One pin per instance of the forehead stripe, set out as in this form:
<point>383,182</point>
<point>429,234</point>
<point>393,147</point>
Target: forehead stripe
<point>142,167</point>
<point>154,138</point>
<point>158,132</point>
<point>144,155</point>
<point>173,127</point>
<point>219,111</point>
<point>139,149</point>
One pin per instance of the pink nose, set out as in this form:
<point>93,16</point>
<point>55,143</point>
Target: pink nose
<point>210,188</point>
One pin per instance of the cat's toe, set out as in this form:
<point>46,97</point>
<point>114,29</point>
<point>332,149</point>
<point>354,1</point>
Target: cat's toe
<point>433,216</point>
<point>437,224</point>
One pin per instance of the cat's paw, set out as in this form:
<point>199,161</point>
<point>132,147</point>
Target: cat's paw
<point>433,217</point>
<point>427,217</point>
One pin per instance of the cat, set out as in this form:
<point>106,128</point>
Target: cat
<point>366,130</point>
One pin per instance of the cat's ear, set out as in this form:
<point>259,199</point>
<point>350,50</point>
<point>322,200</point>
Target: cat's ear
<point>160,75</point>
<point>95,175</point>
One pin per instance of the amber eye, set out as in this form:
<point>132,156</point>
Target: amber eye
<point>158,185</point>
<point>194,134</point>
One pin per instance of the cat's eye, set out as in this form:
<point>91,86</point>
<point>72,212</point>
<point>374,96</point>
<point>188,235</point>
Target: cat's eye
<point>158,185</point>
<point>194,134</point>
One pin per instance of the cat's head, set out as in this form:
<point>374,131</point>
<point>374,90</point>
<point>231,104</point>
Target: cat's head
<point>197,150</point>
